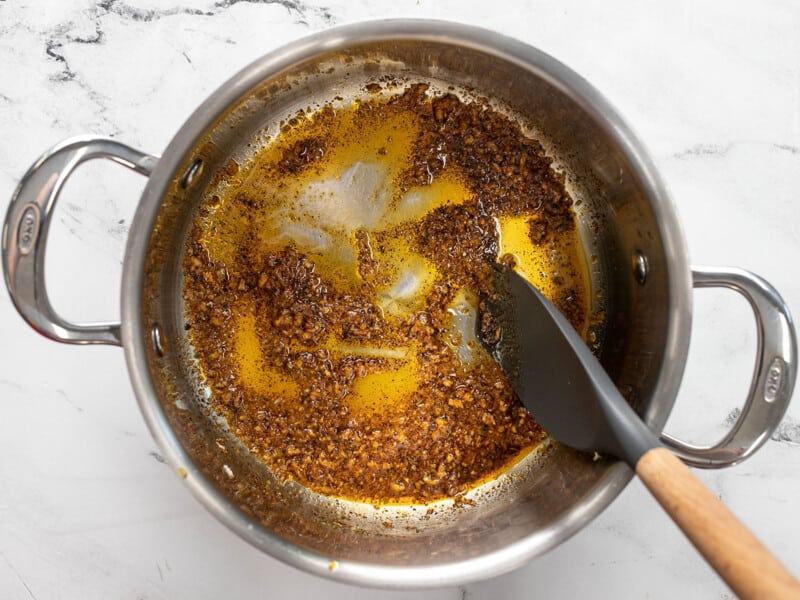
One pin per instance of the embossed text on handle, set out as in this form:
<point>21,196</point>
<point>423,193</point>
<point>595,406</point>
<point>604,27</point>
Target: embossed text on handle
<point>28,229</point>
<point>774,379</point>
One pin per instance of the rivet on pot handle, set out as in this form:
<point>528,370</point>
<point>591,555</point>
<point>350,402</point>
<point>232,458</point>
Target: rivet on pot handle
<point>773,380</point>
<point>25,234</point>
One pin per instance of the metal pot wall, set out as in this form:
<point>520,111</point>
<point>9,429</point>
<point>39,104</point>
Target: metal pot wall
<point>626,220</point>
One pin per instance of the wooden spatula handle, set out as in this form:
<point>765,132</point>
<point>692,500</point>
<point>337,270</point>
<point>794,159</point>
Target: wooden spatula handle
<point>730,548</point>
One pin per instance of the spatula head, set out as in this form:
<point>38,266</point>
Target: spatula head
<point>557,377</point>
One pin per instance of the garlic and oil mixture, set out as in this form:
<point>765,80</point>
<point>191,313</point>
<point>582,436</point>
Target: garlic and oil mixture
<point>332,292</point>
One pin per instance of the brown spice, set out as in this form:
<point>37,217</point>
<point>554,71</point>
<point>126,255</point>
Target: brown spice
<point>452,425</point>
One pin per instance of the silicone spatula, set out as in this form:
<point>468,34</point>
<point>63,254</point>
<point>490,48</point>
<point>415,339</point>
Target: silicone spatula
<point>569,393</point>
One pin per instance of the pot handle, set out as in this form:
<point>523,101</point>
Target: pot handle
<point>25,234</point>
<point>773,379</point>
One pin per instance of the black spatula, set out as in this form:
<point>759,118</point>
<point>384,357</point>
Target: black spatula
<point>569,393</point>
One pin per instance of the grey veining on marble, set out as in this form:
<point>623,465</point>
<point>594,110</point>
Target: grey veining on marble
<point>87,507</point>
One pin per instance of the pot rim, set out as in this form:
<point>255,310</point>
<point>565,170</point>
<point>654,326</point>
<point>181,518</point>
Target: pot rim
<point>135,337</point>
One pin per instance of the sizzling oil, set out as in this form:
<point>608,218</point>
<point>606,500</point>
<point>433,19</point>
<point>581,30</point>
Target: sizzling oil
<point>368,221</point>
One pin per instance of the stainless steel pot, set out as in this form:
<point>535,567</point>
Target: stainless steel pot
<point>626,220</point>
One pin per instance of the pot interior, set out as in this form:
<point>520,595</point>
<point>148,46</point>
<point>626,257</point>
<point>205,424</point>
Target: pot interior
<point>541,500</point>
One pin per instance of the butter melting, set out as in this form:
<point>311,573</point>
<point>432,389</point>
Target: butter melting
<point>254,373</point>
<point>547,267</point>
<point>462,340</point>
<point>385,390</point>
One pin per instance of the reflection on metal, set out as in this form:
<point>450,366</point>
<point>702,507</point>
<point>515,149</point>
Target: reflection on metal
<point>25,234</point>
<point>640,267</point>
<point>158,341</point>
<point>773,378</point>
<point>192,173</point>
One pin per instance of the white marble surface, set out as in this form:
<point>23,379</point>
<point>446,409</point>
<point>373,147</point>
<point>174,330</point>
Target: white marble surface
<point>86,508</point>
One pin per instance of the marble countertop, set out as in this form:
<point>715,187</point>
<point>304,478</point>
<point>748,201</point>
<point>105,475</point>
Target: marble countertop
<point>88,509</point>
